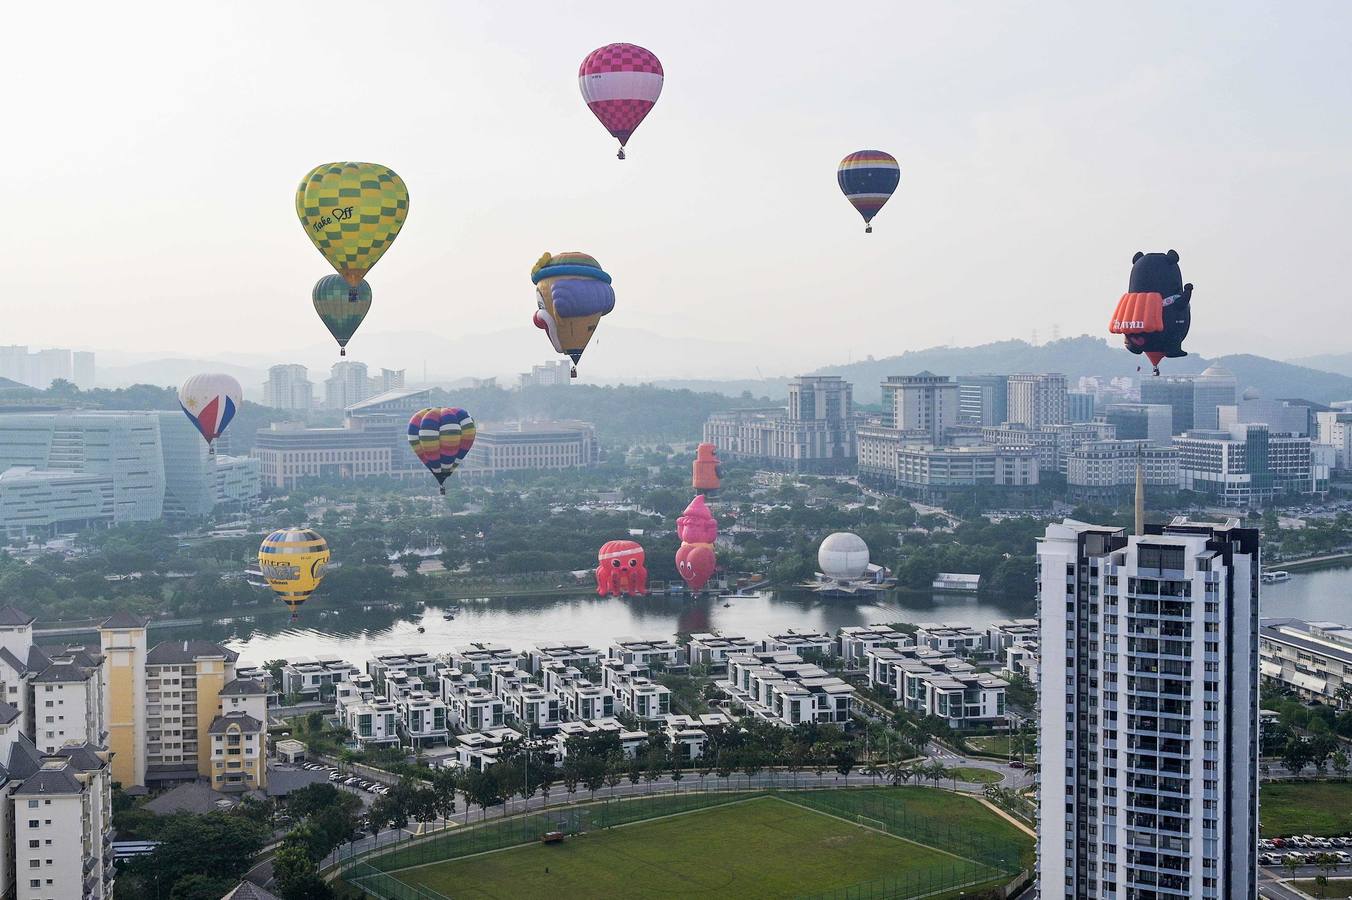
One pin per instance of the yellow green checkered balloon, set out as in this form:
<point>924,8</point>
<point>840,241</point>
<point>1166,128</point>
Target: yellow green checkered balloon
<point>352,211</point>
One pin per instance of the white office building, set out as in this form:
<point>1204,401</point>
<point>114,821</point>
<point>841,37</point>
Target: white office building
<point>1214,388</point>
<point>1248,465</point>
<point>815,434</point>
<point>1037,400</point>
<point>1149,711</point>
<point>925,403</point>
<point>1334,430</point>
<point>1105,471</point>
<point>289,387</point>
<point>117,454</point>
<point>347,385</point>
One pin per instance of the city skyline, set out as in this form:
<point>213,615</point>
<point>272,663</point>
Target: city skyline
<point>1003,162</point>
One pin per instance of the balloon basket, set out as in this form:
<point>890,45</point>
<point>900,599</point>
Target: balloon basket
<point>443,490</point>
<point>868,229</point>
<point>620,155</point>
<point>573,373</point>
<point>342,351</point>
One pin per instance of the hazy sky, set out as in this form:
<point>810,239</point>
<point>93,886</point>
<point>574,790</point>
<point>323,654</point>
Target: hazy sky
<point>151,153</point>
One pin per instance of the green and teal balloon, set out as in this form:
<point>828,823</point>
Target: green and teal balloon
<point>341,307</point>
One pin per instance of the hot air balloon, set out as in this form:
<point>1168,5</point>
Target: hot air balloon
<point>441,437</point>
<point>210,402</point>
<point>341,307</point>
<point>868,178</point>
<point>620,83</point>
<point>572,293</point>
<point>352,211</point>
<point>620,570</point>
<point>698,529</point>
<point>292,561</point>
<point>1156,311</point>
<point>706,471</point>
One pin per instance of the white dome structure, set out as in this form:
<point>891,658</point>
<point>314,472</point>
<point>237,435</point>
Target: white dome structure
<point>843,556</point>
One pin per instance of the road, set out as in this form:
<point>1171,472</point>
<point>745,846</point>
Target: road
<point>693,781</point>
<point>1271,878</point>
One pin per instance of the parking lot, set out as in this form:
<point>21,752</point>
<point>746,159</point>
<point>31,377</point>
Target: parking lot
<point>339,778</point>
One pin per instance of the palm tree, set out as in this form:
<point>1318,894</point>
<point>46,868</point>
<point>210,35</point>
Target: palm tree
<point>1326,863</point>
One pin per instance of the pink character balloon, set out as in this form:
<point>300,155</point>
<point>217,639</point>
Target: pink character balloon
<point>620,570</point>
<point>697,525</point>
<point>695,563</point>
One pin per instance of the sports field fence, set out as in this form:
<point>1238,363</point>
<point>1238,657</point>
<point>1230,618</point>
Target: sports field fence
<point>975,859</point>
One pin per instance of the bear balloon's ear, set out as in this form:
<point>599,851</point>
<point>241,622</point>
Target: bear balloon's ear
<point>1173,256</point>
<point>1137,258</point>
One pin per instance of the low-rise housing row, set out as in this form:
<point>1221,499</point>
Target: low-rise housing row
<point>932,682</point>
<point>780,687</point>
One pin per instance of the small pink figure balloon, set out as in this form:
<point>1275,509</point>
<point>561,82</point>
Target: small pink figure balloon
<point>697,525</point>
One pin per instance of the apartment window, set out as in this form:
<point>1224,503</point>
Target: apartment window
<point>33,823</point>
<point>32,804</point>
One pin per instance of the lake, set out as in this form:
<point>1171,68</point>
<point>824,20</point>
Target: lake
<point>524,622</point>
<point>1317,594</point>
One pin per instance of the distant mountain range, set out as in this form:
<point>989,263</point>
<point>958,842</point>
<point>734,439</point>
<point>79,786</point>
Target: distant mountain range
<point>1341,363</point>
<point>670,362</point>
<point>616,355</point>
<point>1075,357</point>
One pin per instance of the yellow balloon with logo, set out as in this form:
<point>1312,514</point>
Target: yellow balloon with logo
<point>352,212</point>
<point>292,561</point>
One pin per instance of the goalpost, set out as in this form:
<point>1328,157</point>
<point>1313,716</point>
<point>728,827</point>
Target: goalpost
<point>866,822</point>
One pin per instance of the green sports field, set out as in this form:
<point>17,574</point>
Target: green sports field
<point>1321,808</point>
<point>764,847</point>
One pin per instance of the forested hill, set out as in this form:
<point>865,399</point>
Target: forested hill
<point>621,413</point>
<point>1074,357</point>
<point>63,394</point>
<point>626,413</point>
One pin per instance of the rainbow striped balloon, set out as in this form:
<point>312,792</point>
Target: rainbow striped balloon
<point>441,438</point>
<point>868,178</point>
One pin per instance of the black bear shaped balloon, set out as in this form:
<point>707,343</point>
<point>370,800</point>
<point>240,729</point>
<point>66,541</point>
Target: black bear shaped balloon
<point>1155,313</point>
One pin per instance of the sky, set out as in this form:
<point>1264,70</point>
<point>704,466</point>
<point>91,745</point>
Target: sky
<point>152,151</point>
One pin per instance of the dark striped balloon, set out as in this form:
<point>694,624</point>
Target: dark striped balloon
<point>341,307</point>
<point>868,178</point>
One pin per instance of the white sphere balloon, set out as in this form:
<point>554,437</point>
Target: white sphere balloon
<point>843,555</point>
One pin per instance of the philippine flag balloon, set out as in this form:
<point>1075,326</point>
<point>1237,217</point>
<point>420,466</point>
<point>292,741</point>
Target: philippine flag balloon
<point>867,178</point>
<point>621,83</point>
<point>210,402</point>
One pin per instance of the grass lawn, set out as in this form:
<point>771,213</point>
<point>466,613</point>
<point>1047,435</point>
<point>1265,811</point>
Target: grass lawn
<point>974,775</point>
<point>1320,808</point>
<point>967,817</point>
<point>766,847</point>
<point>998,745</point>
<point>1337,887</point>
